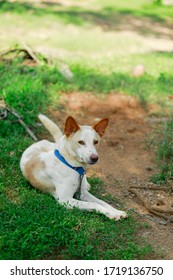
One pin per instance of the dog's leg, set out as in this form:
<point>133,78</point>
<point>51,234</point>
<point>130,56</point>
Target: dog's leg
<point>86,196</point>
<point>89,206</point>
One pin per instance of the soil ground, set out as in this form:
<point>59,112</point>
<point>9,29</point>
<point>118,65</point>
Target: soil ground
<point>125,165</point>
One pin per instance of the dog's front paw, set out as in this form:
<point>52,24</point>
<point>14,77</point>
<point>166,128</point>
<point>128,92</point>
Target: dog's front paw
<point>118,215</point>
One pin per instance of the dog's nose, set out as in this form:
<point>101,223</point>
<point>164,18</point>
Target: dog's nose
<point>94,158</point>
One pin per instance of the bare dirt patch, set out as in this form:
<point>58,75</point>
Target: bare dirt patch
<point>125,164</point>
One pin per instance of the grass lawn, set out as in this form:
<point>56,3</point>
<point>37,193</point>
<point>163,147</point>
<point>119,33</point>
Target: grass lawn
<point>106,34</point>
<point>92,40</point>
<point>32,224</point>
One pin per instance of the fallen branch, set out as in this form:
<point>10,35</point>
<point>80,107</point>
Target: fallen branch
<point>3,111</point>
<point>154,210</point>
<point>3,115</point>
<point>147,188</point>
<point>31,53</point>
<point>146,216</point>
<point>158,221</point>
<point>17,51</point>
<point>167,211</point>
<point>20,120</point>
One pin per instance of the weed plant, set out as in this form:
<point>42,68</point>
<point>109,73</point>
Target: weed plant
<point>163,146</point>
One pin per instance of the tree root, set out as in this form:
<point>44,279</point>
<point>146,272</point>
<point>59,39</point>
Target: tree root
<point>164,213</point>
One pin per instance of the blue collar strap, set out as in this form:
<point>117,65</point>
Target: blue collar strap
<point>80,170</point>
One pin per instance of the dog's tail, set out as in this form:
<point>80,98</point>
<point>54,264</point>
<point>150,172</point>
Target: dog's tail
<point>51,127</point>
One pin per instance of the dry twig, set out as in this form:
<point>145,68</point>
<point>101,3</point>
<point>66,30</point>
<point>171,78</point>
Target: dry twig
<point>29,54</point>
<point>3,115</point>
<point>20,120</point>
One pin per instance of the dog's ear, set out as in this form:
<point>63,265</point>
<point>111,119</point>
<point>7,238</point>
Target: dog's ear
<point>100,127</point>
<point>71,126</point>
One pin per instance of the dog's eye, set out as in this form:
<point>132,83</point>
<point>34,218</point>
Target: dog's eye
<point>95,142</point>
<point>81,142</point>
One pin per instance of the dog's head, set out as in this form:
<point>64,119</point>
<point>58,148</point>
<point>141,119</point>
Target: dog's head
<point>82,141</point>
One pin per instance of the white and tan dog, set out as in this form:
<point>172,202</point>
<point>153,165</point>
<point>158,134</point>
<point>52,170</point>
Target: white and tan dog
<point>59,168</point>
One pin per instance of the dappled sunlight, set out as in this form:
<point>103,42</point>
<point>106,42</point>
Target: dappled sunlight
<point>145,21</point>
<point>95,31</point>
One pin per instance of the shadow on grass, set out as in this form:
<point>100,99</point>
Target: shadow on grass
<point>146,20</point>
<point>146,88</point>
<point>40,81</point>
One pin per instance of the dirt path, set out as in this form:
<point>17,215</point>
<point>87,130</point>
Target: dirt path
<point>125,165</point>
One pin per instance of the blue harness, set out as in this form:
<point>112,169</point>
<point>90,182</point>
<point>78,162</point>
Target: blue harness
<point>79,170</point>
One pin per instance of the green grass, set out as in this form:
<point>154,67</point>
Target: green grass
<point>162,143</point>
<point>94,35</point>
<point>45,85</point>
<point>38,228</point>
<point>102,10</point>
<point>91,40</point>
<point>33,225</point>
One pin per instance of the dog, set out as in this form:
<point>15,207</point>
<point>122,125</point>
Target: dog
<point>59,168</point>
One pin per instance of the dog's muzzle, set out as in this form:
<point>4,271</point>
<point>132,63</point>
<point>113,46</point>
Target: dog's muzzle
<point>93,159</point>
